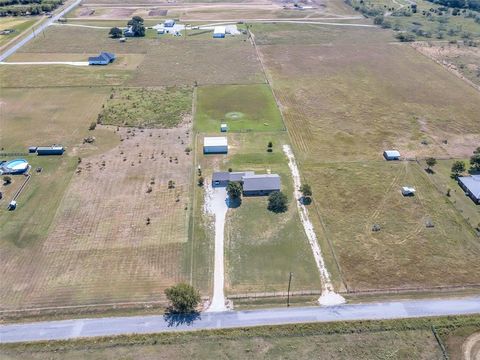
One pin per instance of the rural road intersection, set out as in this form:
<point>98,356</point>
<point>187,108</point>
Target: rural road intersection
<point>71,329</point>
<point>37,31</point>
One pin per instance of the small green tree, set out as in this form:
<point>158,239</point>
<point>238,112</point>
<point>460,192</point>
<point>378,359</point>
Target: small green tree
<point>277,202</point>
<point>115,33</point>
<point>138,28</point>
<point>7,180</point>
<point>306,191</point>
<point>92,126</point>
<point>457,168</point>
<point>234,190</point>
<point>475,159</point>
<point>431,162</point>
<point>201,181</point>
<point>183,298</point>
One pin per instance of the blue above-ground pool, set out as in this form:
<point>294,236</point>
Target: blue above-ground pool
<point>17,166</point>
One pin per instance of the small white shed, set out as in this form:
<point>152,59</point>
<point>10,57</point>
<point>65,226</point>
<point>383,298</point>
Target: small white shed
<point>391,155</point>
<point>215,145</point>
<point>408,191</point>
<point>223,127</point>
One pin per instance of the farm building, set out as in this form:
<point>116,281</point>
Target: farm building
<point>104,58</point>
<point>263,184</point>
<point>223,127</point>
<point>391,155</point>
<point>215,145</point>
<point>219,32</point>
<point>50,150</point>
<point>471,186</point>
<point>169,23</point>
<point>408,191</point>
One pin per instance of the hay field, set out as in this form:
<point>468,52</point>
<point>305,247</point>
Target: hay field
<point>261,247</point>
<point>242,108</point>
<point>19,24</point>
<point>167,61</point>
<point>101,247</point>
<point>346,96</point>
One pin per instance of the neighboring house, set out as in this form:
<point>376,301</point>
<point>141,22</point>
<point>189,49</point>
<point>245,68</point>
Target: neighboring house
<point>104,58</point>
<point>50,150</point>
<point>169,23</point>
<point>391,155</point>
<point>471,185</point>
<point>219,32</point>
<point>215,145</point>
<point>264,184</point>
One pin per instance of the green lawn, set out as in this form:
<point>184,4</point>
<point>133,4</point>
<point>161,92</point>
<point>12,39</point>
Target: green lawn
<point>140,107</point>
<point>241,107</point>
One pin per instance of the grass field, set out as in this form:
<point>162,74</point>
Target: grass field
<point>15,23</point>
<point>140,107</point>
<point>442,179</point>
<point>261,247</point>
<point>353,95</point>
<point>393,339</point>
<point>242,108</point>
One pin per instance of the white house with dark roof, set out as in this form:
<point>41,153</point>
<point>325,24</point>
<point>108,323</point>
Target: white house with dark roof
<point>471,186</point>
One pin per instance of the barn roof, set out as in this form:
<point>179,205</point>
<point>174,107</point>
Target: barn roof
<point>215,141</point>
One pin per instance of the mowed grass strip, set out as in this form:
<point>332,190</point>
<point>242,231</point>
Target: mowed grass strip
<point>241,107</point>
<point>159,107</point>
<point>353,197</point>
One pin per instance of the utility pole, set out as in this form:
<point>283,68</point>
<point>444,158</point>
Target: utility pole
<point>288,291</point>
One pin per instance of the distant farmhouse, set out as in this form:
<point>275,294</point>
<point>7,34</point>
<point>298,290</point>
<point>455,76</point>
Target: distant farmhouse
<point>391,155</point>
<point>471,185</point>
<point>104,58</point>
<point>253,185</point>
<point>215,145</point>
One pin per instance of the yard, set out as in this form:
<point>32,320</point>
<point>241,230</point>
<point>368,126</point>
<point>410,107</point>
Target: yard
<point>261,248</point>
<point>243,108</point>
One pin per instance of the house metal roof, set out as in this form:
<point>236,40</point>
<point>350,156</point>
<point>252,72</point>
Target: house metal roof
<point>261,182</point>
<point>221,176</point>
<point>104,56</point>
<point>472,183</point>
<point>215,141</point>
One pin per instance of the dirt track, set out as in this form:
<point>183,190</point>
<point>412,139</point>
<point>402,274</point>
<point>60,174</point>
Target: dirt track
<point>471,347</point>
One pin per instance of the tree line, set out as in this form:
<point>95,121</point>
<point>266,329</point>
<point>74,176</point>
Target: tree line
<point>27,7</point>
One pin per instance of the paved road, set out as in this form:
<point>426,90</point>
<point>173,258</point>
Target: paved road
<point>10,51</point>
<point>69,329</point>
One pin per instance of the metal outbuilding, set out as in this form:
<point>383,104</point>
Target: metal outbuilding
<point>471,186</point>
<point>263,184</point>
<point>215,145</point>
<point>219,32</point>
<point>391,155</point>
<point>50,150</point>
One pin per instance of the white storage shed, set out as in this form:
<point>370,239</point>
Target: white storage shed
<point>215,145</point>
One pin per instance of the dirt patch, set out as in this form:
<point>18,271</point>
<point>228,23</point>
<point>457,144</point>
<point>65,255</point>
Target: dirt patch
<point>471,347</point>
<point>119,234</point>
<point>157,12</point>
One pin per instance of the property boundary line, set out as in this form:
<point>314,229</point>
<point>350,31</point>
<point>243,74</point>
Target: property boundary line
<point>440,343</point>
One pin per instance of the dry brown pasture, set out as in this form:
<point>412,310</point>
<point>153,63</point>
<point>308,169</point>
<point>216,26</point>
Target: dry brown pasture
<point>460,59</point>
<point>348,94</point>
<point>166,60</point>
<point>101,247</point>
<point>356,93</point>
